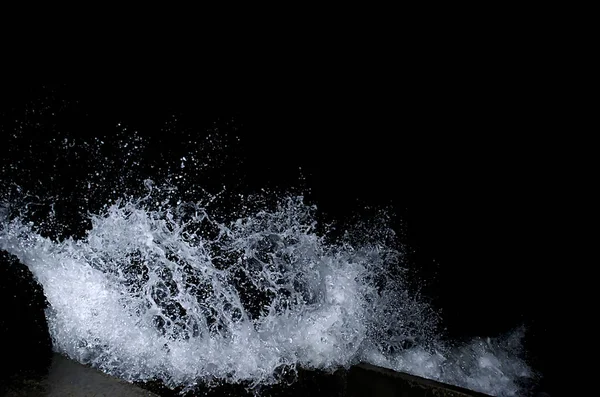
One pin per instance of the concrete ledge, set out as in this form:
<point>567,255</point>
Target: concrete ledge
<point>67,378</point>
<point>366,380</point>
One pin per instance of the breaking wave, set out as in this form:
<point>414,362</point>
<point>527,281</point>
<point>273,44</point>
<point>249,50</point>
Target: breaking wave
<point>184,287</point>
<point>170,293</point>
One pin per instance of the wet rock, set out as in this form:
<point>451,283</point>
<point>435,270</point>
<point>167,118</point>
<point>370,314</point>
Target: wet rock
<point>25,341</point>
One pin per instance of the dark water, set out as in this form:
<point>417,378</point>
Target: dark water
<point>178,242</point>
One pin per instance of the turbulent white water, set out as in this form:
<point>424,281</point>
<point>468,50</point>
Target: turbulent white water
<point>167,287</point>
<point>165,291</point>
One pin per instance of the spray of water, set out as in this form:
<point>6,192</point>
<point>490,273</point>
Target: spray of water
<point>167,292</point>
<point>171,283</point>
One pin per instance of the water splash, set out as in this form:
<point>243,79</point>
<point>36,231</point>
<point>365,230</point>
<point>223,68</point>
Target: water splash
<point>166,291</point>
<point>168,281</point>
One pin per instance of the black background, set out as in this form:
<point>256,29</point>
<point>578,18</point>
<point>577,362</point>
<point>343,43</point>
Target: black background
<point>465,164</point>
